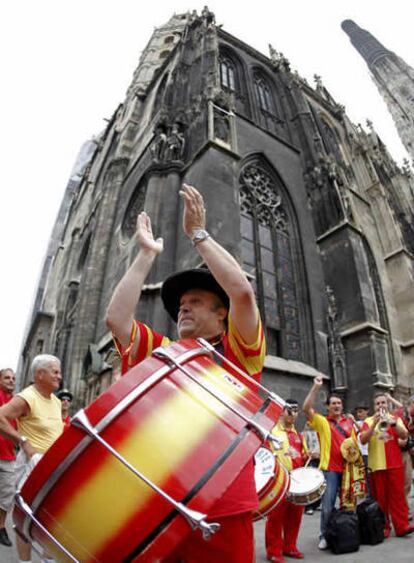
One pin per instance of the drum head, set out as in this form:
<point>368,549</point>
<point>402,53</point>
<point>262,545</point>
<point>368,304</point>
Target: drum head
<point>264,468</point>
<point>305,480</point>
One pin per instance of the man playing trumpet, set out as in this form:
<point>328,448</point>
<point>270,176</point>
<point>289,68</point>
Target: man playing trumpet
<point>382,432</point>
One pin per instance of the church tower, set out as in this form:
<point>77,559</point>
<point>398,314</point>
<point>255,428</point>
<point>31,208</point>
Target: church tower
<point>393,77</point>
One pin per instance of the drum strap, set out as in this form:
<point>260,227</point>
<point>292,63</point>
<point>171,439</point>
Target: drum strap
<point>339,428</point>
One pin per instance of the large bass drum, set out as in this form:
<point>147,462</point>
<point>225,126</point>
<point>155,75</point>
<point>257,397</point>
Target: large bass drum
<point>145,462</point>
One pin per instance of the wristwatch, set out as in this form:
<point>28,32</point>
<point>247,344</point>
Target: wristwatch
<point>199,235</point>
<point>23,440</point>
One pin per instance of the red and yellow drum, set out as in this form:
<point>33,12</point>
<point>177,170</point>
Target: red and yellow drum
<point>167,423</point>
<point>272,482</point>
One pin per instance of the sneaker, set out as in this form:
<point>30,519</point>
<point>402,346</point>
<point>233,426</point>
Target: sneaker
<point>323,544</point>
<point>4,538</point>
<point>309,511</point>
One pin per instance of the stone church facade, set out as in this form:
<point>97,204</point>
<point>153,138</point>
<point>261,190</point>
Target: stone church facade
<point>312,206</point>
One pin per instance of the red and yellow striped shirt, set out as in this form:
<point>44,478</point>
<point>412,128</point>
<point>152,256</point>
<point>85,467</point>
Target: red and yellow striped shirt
<point>383,449</point>
<point>330,439</point>
<point>293,451</point>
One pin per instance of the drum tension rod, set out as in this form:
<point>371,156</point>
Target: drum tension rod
<point>264,435</point>
<point>29,512</point>
<point>194,518</point>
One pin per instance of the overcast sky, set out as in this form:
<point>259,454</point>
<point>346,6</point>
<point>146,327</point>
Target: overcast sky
<point>66,65</point>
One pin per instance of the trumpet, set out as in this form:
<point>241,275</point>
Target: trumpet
<point>384,421</point>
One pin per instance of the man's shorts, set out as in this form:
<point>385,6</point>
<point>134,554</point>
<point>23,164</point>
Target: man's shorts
<point>7,484</point>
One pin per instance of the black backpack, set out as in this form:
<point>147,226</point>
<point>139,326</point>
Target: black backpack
<point>342,533</point>
<point>371,522</point>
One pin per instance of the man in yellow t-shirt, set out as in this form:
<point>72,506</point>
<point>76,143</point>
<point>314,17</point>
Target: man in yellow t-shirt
<point>39,421</point>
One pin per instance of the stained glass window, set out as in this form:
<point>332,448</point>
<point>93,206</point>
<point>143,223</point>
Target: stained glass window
<point>267,254</point>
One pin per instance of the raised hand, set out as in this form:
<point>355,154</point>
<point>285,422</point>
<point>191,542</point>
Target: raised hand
<point>144,235</point>
<point>318,381</point>
<point>194,216</point>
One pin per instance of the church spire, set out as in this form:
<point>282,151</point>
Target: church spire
<point>365,43</point>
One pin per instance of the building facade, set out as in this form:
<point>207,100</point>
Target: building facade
<point>312,206</point>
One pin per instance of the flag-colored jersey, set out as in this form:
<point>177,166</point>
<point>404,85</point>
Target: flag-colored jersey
<point>330,439</point>
<point>383,449</point>
<point>241,496</point>
<point>293,452</point>
<point>249,358</point>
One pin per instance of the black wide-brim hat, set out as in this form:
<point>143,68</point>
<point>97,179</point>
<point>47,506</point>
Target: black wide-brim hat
<point>65,394</point>
<point>198,278</point>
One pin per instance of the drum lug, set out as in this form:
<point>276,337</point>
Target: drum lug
<point>194,518</point>
<point>276,442</point>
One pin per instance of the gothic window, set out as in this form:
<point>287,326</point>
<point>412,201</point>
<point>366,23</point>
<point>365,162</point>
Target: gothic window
<point>263,93</point>
<point>135,206</point>
<point>227,74</point>
<point>268,251</point>
<point>169,39</point>
<point>164,54</point>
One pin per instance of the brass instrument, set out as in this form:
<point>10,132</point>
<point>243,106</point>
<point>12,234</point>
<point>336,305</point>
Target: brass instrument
<point>384,421</point>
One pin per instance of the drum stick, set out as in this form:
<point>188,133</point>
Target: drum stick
<point>225,360</point>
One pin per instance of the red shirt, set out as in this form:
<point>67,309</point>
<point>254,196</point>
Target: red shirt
<point>330,439</point>
<point>241,496</point>
<point>7,447</point>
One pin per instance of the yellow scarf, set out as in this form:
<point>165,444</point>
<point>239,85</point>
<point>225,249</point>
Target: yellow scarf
<point>353,476</point>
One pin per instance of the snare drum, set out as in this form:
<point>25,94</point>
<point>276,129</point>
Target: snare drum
<point>307,485</point>
<point>110,490</point>
<point>272,482</point>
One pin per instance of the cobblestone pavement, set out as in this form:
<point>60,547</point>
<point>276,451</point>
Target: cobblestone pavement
<point>392,550</point>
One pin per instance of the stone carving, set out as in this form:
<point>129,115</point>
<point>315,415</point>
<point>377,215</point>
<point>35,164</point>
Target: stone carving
<point>336,349</point>
<point>159,144</point>
<point>168,144</point>
<point>324,194</point>
<point>207,16</point>
<point>175,144</point>
<point>279,61</point>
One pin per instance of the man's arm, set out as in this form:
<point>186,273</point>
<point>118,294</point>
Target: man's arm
<point>311,396</point>
<point>13,410</point>
<point>121,309</point>
<point>223,266</point>
<point>367,434</point>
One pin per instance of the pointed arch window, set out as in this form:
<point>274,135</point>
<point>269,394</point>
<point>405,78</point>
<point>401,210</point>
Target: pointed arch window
<point>264,95</point>
<point>228,74</point>
<point>268,251</point>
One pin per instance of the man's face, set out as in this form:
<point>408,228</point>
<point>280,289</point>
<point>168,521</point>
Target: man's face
<point>65,405</point>
<point>380,403</point>
<point>290,414</point>
<point>50,376</point>
<point>199,315</point>
<point>335,407</point>
<point>8,381</point>
<point>361,414</point>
